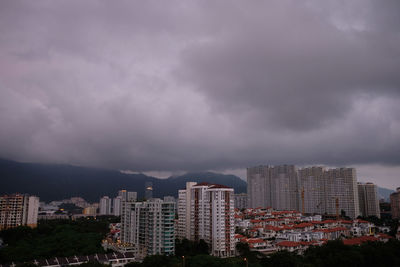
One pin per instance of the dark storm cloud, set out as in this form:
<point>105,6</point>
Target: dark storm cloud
<point>179,85</point>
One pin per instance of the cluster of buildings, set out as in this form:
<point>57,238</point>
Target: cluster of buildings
<point>113,206</point>
<point>267,230</point>
<point>204,212</point>
<point>109,206</point>
<point>146,228</point>
<point>313,190</point>
<point>285,208</point>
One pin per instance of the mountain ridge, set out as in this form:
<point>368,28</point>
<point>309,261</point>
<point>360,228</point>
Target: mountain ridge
<point>57,181</point>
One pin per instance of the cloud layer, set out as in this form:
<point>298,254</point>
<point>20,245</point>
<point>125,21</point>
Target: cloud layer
<point>193,85</point>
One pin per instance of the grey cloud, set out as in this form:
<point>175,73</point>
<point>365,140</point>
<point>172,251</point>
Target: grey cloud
<point>170,86</point>
<point>296,69</point>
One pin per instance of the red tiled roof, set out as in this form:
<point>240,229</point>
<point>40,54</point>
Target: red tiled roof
<point>329,221</point>
<point>306,243</point>
<point>288,244</point>
<point>219,186</point>
<point>273,228</point>
<point>303,225</point>
<point>286,227</point>
<point>385,236</point>
<point>330,230</point>
<point>359,240</point>
<point>255,240</point>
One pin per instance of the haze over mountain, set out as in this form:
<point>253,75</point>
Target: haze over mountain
<point>56,182</point>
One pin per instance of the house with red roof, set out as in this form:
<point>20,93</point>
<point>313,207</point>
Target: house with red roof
<point>333,233</point>
<point>360,240</point>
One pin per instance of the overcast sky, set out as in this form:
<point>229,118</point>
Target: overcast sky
<point>172,86</point>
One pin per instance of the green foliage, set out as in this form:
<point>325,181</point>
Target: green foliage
<point>190,248</point>
<point>210,261</point>
<point>392,223</point>
<point>282,259</point>
<point>245,252</point>
<point>53,239</point>
<point>334,253</point>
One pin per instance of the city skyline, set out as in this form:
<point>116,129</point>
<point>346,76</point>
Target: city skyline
<point>166,88</point>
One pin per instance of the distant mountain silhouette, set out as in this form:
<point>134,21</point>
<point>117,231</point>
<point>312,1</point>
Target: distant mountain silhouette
<point>56,182</point>
<point>384,193</point>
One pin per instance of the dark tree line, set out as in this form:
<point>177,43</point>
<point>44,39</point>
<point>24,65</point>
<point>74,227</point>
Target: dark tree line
<point>334,253</point>
<point>58,238</point>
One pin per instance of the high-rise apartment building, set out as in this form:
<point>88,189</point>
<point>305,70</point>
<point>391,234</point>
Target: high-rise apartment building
<point>341,192</point>
<point>149,227</point>
<point>273,186</point>
<point>284,187</point>
<point>184,196</point>
<point>368,200</point>
<point>312,190</point>
<point>241,201</point>
<point>395,204</point>
<point>259,186</point>
<point>119,201</point>
<point>105,205</point>
<point>127,195</point>
<point>212,217</point>
<point>17,210</point>
<point>117,206</point>
<point>206,211</point>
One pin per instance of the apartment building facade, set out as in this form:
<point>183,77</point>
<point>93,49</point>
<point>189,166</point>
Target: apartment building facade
<point>368,199</point>
<point>310,190</point>
<point>241,201</point>
<point>273,186</point>
<point>212,217</point>
<point>105,206</point>
<point>184,197</point>
<point>17,210</point>
<point>395,204</point>
<point>149,227</point>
